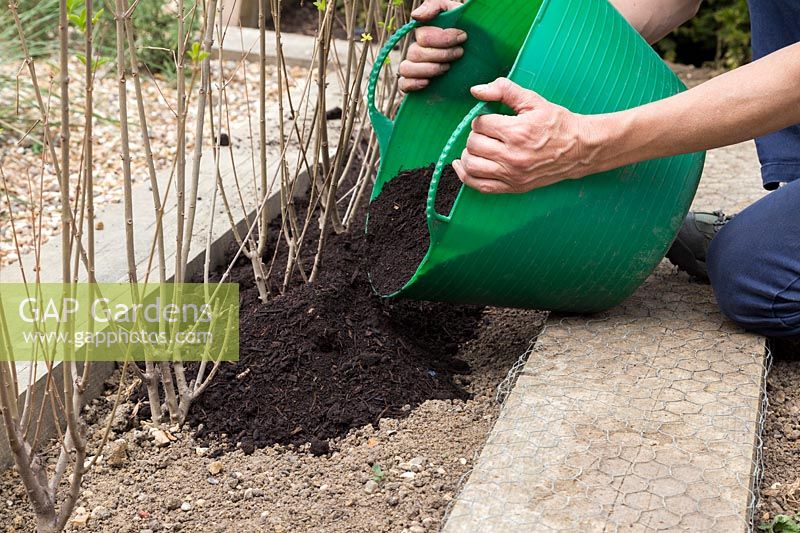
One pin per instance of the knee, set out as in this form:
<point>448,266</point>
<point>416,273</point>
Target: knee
<point>730,278</point>
<point>750,284</point>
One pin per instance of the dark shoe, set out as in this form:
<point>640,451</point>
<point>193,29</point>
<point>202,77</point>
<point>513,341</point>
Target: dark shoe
<point>690,248</point>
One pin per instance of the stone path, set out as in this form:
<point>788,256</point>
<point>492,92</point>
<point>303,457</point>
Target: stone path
<point>642,418</point>
<point>298,49</point>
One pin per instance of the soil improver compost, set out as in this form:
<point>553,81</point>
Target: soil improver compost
<point>398,230</point>
<point>329,356</point>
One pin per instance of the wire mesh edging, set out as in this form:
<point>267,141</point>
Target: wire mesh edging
<point>758,452</point>
<point>505,386</point>
<point>503,389</point>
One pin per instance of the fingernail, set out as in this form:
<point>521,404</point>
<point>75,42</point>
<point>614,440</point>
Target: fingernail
<point>479,88</point>
<point>458,52</point>
<point>445,67</point>
<point>461,37</point>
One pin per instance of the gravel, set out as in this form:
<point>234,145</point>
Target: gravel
<point>28,171</point>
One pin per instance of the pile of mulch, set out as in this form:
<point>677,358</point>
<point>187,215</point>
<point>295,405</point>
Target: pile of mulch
<point>398,231</point>
<point>330,356</point>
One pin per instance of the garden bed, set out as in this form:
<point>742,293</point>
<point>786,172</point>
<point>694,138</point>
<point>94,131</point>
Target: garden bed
<point>27,177</point>
<point>398,474</point>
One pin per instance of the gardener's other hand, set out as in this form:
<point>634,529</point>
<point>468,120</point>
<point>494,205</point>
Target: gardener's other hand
<point>433,50</point>
<point>542,144</point>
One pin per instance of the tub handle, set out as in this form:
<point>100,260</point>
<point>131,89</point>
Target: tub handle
<point>436,220</point>
<point>382,124</point>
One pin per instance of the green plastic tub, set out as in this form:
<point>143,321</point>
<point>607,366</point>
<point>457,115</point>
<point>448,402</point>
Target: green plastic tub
<point>579,245</point>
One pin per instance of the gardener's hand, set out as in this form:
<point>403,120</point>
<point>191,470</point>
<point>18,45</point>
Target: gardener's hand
<point>433,50</point>
<point>542,144</point>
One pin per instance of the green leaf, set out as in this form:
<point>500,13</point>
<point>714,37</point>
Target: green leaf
<point>97,16</point>
<point>781,524</point>
<point>78,20</point>
<point>377,473</point>
<point>321,5</point>
<point>196,54</point>
<point>96,62</point>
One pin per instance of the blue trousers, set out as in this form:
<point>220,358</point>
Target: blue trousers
<point>754,261</point>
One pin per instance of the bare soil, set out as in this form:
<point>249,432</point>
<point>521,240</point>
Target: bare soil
<point>780,486</point>
<point>345,413</point>
<point>325,357</point>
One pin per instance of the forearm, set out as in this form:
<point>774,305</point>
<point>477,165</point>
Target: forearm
<point>750,101</point>
<point>654,19</point>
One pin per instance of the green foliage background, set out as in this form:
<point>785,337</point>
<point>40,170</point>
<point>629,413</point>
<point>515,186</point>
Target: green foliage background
<point>157,32</point>
<point>154,22</point>
<point>719,35</point>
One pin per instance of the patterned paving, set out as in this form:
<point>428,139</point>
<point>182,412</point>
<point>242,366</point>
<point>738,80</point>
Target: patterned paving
<point>642,418</point>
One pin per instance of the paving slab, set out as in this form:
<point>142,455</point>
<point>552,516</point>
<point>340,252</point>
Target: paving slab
<point>641,418</point>
<point>298,49</point>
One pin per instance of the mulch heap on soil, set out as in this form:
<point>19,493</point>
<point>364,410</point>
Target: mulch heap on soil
<point>330,356</point>
<point>398,230</point>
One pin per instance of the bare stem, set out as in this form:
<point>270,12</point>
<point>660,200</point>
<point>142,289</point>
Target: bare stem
<point>205,84</point>
<point>180,188</point>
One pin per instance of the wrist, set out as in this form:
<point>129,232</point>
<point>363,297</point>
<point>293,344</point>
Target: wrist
<point>613,140</point>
